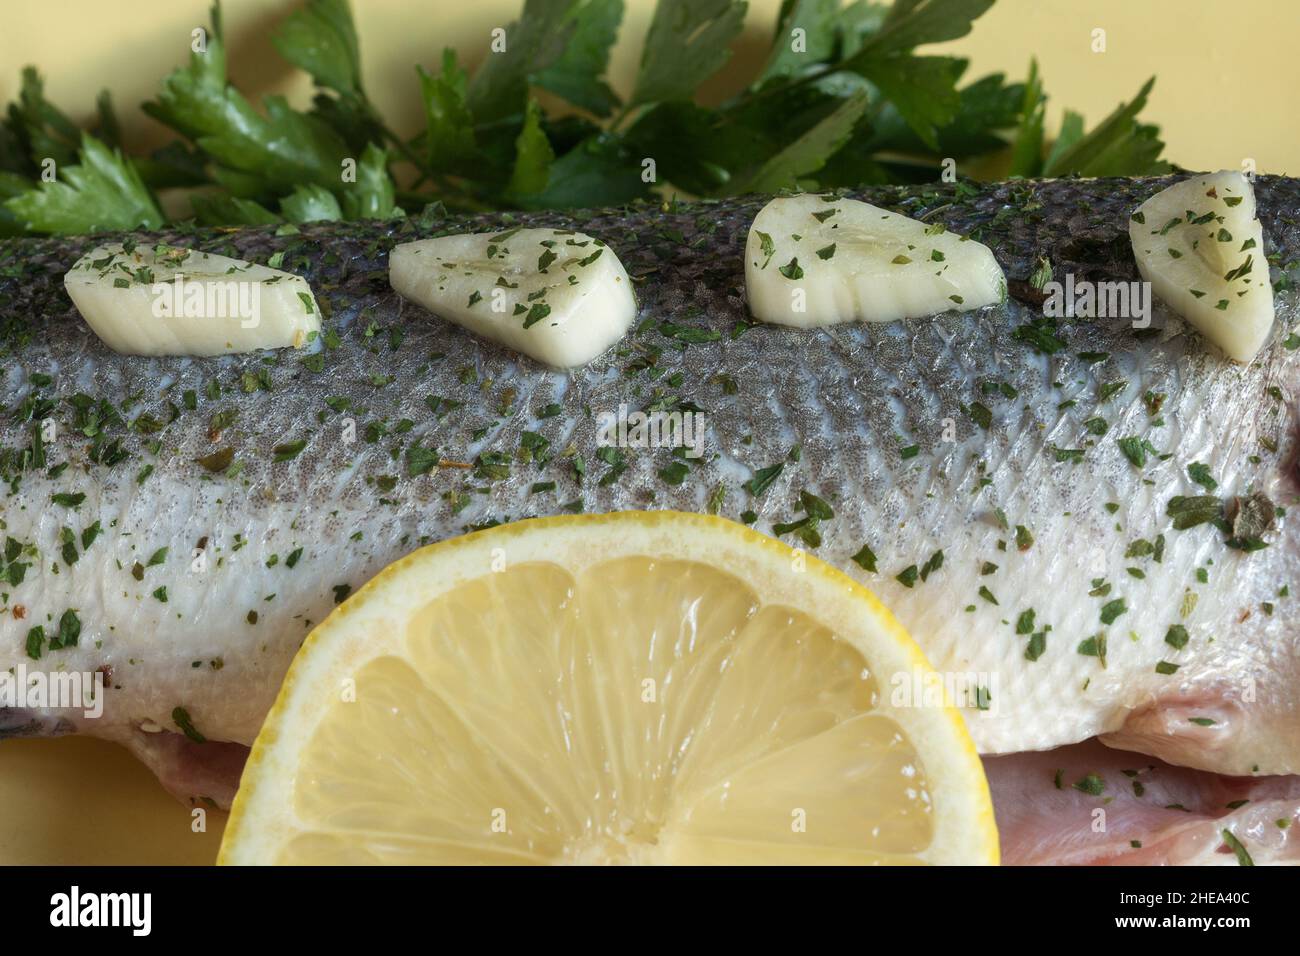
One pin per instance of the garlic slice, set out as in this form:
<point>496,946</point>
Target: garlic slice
<point>1201,247</point>
<point>167,300</point>
<point>812,261</point>
<point>560,297</point>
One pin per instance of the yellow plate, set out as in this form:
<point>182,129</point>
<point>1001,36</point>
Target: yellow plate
<point>80,801</point>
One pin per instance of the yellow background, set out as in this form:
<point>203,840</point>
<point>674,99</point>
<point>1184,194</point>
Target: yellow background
<point>1227,75</point>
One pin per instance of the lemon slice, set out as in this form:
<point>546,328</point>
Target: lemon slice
<point>639,687</point>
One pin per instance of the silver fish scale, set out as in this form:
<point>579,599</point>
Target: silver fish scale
<point>850,399</point>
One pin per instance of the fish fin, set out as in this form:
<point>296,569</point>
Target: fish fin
<point>24,722</point>
<point>1189,731</point>
<point>199,774</point>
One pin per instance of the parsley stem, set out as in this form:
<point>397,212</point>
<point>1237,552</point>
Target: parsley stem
<point>621,117</point>
<point>402,147</point>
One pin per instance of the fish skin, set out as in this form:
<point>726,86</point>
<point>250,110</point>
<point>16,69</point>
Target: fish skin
<point>850,398</point>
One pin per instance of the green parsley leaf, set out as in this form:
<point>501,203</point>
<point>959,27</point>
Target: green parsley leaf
<point>321,39</point>
<point>688,41</point>
<point>103,191</point>
<point>533,155</point>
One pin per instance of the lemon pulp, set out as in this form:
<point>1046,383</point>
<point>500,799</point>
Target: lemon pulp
<point>608,701</point>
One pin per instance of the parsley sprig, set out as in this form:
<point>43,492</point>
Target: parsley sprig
<point>842,99</point>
